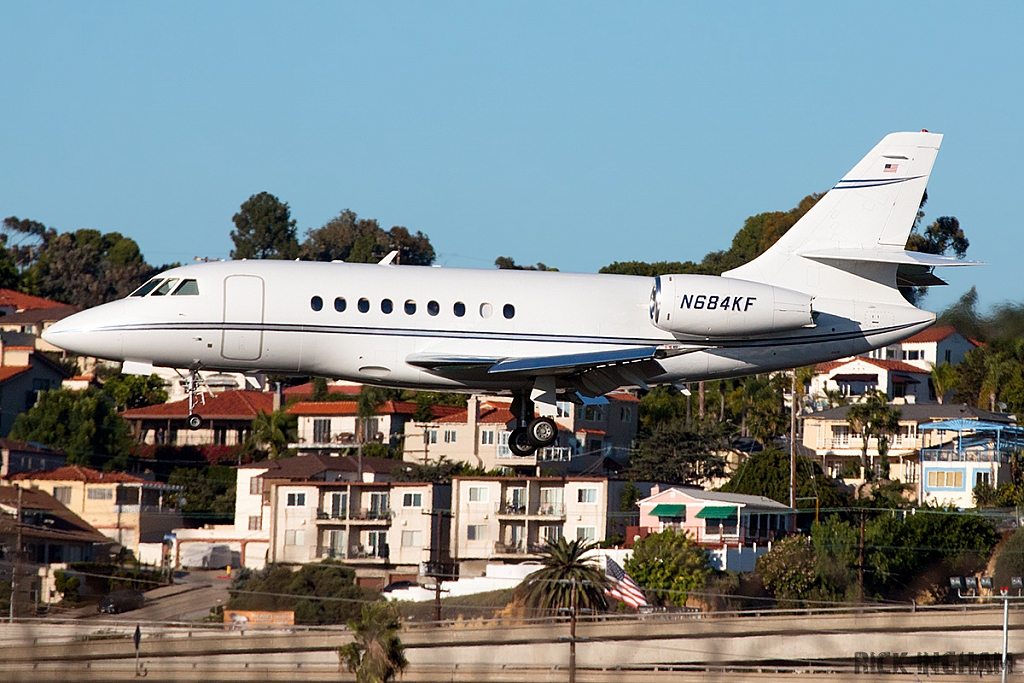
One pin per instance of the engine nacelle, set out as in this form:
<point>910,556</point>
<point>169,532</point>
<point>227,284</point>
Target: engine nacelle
<point>710,306</point>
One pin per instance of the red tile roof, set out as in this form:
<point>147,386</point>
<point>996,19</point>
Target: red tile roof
<point>25,302</point>
<point>343,408</point>
<point>889,365</point>
<point>9,371</point>
<point>935,334</point>
<point>40,315</point>
<point>622,396</point>
<point>306,390</point>
<point>79,473</point>
<point>228,405</point>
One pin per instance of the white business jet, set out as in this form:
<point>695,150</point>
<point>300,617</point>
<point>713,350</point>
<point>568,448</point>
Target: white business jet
<point>827,289</point>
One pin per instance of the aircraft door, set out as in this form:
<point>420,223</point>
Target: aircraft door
<point>243,314</point>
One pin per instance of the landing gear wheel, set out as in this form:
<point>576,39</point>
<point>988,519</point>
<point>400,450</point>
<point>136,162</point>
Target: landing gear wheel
<point>194,422</point>
<point>519,443</point>
<point>542,432</point>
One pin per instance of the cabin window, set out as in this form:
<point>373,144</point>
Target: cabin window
<point>486,310</point>
<point>187,288</point>
<point>386,306</point>
<point>165,287</point>
<point>433,308</point>
<point>339,304</point>
<point>316,303</point>
<point>147,288</point>
<point>459,308</point>
<point>509,311</point>
<point>363,305</point>
<point>410,307</point>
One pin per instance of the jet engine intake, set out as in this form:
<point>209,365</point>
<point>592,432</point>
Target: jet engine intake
<point>709,306</point>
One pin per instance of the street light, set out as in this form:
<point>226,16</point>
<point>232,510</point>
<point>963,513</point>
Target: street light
<point>1004,594</point>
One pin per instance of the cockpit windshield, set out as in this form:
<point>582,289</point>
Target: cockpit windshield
<point>187,287</point>
<point>147,288</point>
<point>165,287</point>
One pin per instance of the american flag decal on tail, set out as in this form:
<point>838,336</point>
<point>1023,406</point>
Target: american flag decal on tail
<point>890,168</point>
<point>622,586</point>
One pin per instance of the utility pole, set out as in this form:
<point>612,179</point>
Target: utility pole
<point>572,632</point>
<point>437,599</point>
<point>860,562</point>
<point>17,559</point>
<point>792,446</point>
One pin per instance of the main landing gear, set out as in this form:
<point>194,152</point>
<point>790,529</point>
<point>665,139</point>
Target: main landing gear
<point>531,432</point>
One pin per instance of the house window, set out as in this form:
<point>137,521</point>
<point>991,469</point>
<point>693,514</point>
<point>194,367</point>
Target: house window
<point>625,414</point>
<point>586,496</point>
<point>412,539</point>
<point>449,436</point>
<point>946,479</point>
<point>412,500</point>
<point>430,436</point>
<point>295,537</point>
<point>592,414</point>
<point>296,499</point>
<point>981,478</point>
<point>586,533</point>
<point>949,355</point>
<point>255,523</point>
<point>478,494</point>
<point>256,486</point>
<point>563,409</point>
<point>378,543</point>
<point>487,438</point>
<point>378,505</point>
<point>322,430</point>
<point>476,532</point>
<point>551,533</point>
<point>62,494</point>
<point>100,494</point>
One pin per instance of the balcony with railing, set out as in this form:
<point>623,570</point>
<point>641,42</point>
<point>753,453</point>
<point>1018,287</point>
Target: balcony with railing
<point>330,516</point>
<point>518,548</point>
<point>973,441</point>
<point>372,515</point>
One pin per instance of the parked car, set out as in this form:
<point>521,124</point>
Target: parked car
<point>122,601</point>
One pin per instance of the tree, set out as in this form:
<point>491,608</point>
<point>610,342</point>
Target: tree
<point>320,391</point>
<point>509,263</point>
<point>788,570</point>
<point>885,422</point>
<point>209,492</point>
<point>669,565</point>
<point>375,654</point>
<point>272,432</point>
<point>1010,559</point>
<point>859,419</point>
<point>347,237</point>
<point>550,588</point>
<point>83,424</point>
<point>944,378</point>
<point>767,474</point>
<point>85,268</point>
<point>321,593</point>
<point>135,391</point>
<point>677,455</point>
<point>264,229</point>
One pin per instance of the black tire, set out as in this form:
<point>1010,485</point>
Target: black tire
<point>542,432</point>
<point>194,422</point>
<point>519,443</point>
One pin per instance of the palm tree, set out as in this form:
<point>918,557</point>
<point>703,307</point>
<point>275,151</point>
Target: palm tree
<point>565,572</point>
<point>272,432</point>
<point>944,378</point>
<point>859,419</point>
<point>375,654</point>
<point>885,422</point>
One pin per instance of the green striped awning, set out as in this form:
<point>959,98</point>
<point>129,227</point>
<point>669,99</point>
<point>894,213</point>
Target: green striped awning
<point>717,512</point>
<point>669,510</point>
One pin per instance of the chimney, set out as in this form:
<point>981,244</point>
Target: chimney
<point>472,415</point>
<point>655,489</point>
<point>276,406</point>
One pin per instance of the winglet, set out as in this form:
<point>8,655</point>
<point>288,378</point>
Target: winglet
<point>386,261</point>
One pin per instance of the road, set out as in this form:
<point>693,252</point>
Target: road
<point>188,600</point>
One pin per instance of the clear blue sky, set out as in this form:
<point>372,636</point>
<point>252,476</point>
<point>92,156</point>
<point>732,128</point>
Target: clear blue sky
<point>576,134</point>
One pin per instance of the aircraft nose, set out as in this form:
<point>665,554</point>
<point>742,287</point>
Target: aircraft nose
<point>95,332</point>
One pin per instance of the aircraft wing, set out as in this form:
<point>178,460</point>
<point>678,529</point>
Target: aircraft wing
<point>593,373</point>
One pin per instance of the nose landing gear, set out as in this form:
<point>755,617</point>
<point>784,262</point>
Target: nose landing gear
<point>194,385</point>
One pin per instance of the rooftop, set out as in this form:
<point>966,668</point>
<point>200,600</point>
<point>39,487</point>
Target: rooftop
<point>79,473</point>
<point>67,527</point>
<point>888,365</point>
<point>38,315</point>
<point>25,302</point>
<point>922,412</point>
<point>228,405</point>
<point>935,334</point>
<point>306,467</point>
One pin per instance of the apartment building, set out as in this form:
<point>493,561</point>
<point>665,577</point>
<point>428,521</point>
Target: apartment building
<point>838,447</point>
<point>511,518</point>
<point>126,508</point>
<point>478,435</point>
<point>19,456</point>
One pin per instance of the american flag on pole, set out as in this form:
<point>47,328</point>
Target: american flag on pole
<point>623,587</point>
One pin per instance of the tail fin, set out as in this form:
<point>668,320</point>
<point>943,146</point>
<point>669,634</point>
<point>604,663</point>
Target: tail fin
<point>850,243</point>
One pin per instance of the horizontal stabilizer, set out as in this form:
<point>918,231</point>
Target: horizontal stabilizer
<point>899,256</point>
